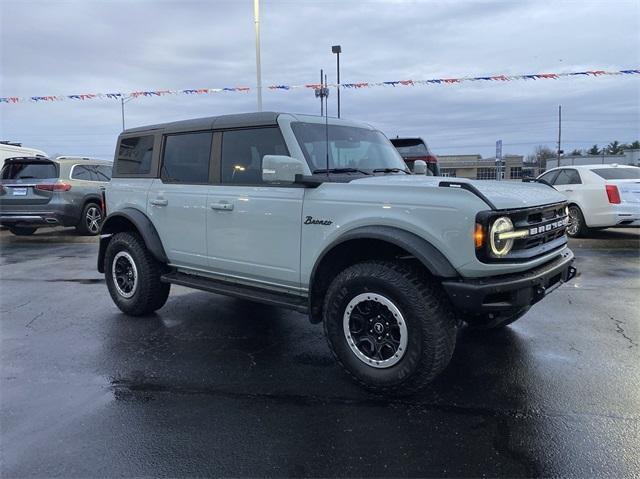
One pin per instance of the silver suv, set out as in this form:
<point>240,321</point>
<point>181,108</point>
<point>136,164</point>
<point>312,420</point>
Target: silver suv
<point>322,216</point>
<point>65,191</point>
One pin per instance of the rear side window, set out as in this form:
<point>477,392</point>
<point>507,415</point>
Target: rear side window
<point>81,172</point>
<point>567,177</point>
<point>135,155</point>
<point>243,150</point>
<point>103,172</point>
<point>29,170</point>
<point>618,173</point>
<point>187,157</point>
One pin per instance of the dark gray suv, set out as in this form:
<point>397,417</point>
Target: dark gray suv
<point>66,191</point>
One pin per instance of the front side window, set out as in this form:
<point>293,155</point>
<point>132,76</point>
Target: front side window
<point>243,151</point>
<point>348,147</point>
<point>187,157</point>
<point>135,155</point>
<point>549,176</point>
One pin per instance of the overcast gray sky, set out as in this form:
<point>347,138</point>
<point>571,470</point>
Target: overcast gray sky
<point>72,47</point>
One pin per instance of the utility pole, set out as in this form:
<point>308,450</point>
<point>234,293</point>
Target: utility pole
<point>256,21</point>
<point>322,92</point>
<point>559,133</point>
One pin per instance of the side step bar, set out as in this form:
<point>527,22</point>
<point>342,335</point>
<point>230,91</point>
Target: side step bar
<point>283,300</point>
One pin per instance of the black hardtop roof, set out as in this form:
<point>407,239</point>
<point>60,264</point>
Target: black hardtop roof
<point>407,140</point>
<point>237,120</point>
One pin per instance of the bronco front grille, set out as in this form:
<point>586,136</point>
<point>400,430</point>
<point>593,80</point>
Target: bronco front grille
<point>545,225</point>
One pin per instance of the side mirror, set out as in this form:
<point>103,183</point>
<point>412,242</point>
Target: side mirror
<point>281,169</point>
<point>419,167</point>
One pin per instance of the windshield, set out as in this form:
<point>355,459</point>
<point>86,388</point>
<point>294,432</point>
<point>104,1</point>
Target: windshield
<point>618,173</point>
<point>349,147</point>
<point>417,149</point>
<point>22,170</point>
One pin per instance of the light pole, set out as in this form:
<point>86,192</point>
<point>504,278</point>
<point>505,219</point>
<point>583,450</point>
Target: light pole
<point>124,100</point>
<point>256,21</point>
<point>337,49</point>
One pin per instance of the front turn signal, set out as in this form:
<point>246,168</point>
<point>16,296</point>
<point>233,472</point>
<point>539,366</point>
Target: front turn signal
<point>478,236</point>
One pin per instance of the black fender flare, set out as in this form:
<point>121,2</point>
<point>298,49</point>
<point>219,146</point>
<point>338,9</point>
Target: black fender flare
<point>143,225</point>
<point>437,264</point>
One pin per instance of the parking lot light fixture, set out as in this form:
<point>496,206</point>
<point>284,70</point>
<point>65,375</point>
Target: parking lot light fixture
<point>337,49</point>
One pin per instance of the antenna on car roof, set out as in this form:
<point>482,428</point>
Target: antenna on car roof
<point>326,121</point>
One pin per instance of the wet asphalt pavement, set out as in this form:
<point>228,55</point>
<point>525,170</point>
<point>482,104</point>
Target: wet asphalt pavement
<point>212,386</point>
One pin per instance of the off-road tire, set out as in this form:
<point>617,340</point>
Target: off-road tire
<point>485,323</point>
<point>150,293</point>
<point>429,318</point>
<point>22,230</point>
<point>582,229</point>
<point>83,227</point>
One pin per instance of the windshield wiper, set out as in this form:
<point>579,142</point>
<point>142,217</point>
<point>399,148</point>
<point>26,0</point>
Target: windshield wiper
<point>341,170</point>
<point>390,170</point>
<point>25,177</point>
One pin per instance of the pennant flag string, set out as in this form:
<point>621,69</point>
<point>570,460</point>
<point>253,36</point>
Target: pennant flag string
<point>314,86</point>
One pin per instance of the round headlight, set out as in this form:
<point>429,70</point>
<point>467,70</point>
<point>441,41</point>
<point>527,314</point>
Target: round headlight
<point>500,247</point>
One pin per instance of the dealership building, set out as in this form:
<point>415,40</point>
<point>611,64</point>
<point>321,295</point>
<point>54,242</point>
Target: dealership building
<point>477,168</point>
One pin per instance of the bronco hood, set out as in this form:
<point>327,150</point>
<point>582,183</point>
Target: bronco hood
<point>503,194</point>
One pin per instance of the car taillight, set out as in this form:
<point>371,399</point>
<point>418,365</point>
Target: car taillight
<point>53,187</point>
<point>613,194</point>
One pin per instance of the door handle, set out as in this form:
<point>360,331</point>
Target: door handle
<point>224,206</point>
<point>159,202</point>
<point>568,191</point>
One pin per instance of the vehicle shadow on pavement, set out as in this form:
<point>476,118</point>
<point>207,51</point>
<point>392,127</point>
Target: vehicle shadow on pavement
<point>224,346</point>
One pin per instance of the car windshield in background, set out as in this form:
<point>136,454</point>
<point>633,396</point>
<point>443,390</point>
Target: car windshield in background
<point>417,149</point>
<point>29,170</point>
<point>618,173</point>
<point>349,147</point>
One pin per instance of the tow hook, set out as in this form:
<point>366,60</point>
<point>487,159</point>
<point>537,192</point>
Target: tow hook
<point>539,293</point>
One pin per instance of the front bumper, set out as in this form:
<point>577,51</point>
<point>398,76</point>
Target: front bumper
<point>510,293</point>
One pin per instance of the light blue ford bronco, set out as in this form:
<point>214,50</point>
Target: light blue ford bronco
<point>322,216</point>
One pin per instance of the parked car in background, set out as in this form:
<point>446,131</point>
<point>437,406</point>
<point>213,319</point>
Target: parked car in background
<point>413,149</point>
<point>10,150</point>
<point>600,196</point>
<point>66,191</point>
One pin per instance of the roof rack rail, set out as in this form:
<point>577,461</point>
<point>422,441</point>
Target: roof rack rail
<point>470,188</point>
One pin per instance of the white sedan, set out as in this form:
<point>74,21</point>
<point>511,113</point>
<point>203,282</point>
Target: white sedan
<point>600,196</point>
